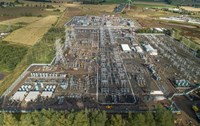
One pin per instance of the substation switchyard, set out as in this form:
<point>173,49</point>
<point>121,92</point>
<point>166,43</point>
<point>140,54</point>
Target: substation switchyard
<point>104,64</point>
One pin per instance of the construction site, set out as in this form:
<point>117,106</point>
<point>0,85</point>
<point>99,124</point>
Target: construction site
<point>104,64</point>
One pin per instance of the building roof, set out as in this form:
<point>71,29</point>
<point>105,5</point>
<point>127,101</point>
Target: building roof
<point>159,29</point>
<point>125,47</point>
<point>148,48</point>
<point>47,94</point>
<point>19,95</point>
<point>159,98</point>
<point>32,95</point>
<point>138,49</point>
<point>156,93</point>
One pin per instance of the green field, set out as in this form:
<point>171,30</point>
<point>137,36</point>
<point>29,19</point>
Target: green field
<point>10,56</point>
<point>154,6</point>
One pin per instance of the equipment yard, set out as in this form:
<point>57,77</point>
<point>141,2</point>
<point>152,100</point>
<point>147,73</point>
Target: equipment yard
<point>103,63</point>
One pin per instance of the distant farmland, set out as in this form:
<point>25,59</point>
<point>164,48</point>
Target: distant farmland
<point>25,11</point>
<point>31,33</point>
<point>190,8</point>
<point>20,20</point>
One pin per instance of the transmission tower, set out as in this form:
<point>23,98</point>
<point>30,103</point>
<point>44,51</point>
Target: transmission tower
<point>67,40</point>
<point>73,35</point>
<point>59,53</point>
<point>129,4</point>
<point>9,28</point>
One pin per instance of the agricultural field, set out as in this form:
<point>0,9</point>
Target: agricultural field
<point>14,12</point>
<point>7,0</point>
<point>31,33</point>
<point>20,20</point>
<point>152,4</point>
<point>190,8</point>
<point>3,18</point>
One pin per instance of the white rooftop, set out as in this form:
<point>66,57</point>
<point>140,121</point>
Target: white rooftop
<point>138,49</point>
<point>159,98</point>
<point>125,47</point>
<point>149,48</point>
<point>19,95</point>
<point>156,93</point>
<point>159,29</point>
<point>47,94</point>
<point>32,95</point>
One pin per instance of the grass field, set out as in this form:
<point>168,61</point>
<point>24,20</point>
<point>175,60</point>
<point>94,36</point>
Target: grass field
<point>31,33</point>
<point>3,28</point>
<point>25,20</point>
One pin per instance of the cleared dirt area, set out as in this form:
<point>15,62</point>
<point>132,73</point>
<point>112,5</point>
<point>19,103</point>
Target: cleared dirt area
<point>31,33</point>
<point>190,8</point>
<point>20,20</point>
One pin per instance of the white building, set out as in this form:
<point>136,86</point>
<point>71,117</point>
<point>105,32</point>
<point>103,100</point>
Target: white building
<point>32,95</point>
<point>47,94</point>
<point>138,49</point>
<point>156,93</point>
<point>151,50</point>
<point>126,48</point>
<point>159,98</point>
<point>159,29</point>
<point>19,95</point>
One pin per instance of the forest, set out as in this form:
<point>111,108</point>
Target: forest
<point>87,117</point>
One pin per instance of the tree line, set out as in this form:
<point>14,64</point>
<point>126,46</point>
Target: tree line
<point>87,117</point>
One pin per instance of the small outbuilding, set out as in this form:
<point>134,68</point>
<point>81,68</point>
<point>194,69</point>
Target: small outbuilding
<point>156,93</point>
<point>32,95</point>
<point>151,50</point>
<point>19,95</point>
<point>126,48</point>
<point>47,94</point>
<point>138,49</point>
